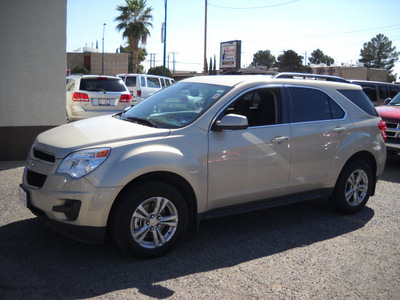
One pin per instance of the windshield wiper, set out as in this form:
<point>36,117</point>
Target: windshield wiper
<point>97,89</point>
<point>142,121</point>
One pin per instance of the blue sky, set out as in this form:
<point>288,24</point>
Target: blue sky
<point>338,27</point>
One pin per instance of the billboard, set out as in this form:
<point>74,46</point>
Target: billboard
<point>230,55</point>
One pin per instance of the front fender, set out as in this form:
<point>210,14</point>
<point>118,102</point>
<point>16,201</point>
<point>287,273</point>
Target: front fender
<point>177,155</point>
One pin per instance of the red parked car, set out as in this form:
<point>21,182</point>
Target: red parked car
<point>390,113</point>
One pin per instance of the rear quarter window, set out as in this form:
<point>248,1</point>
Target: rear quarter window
<point>312,105</point>
<point>360,99</point>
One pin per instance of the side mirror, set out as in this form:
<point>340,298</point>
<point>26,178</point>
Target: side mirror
<point>387,100</point>
<point>232,122</point>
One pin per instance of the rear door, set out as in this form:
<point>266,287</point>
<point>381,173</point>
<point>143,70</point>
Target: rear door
<point>319,129</point>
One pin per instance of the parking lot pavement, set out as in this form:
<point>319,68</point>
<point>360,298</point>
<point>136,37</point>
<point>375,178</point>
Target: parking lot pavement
<point>302,251</point>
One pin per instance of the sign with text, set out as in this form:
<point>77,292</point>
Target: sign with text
<point>230,55</point>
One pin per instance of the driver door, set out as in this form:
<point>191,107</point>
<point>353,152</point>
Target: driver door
<point>250,164</point>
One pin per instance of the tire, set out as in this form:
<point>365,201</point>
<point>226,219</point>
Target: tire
<point>353,187</point>
<point>149,220</point>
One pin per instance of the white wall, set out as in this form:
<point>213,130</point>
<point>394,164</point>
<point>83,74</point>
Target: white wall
<point>32,62</point>
<point>32,72</point>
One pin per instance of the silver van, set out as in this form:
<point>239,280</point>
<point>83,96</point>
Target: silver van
<point>141,86</point>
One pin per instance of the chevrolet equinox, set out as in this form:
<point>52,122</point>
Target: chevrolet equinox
<point>201,148</point>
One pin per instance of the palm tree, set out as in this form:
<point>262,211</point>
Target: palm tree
<point>134,22</point>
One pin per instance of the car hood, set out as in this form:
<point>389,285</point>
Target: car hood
<point>388,112</point>
<point>93,132</point>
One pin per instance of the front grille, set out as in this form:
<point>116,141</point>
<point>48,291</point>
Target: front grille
<point>391,125</point>
<point>392,132</point>
<point>43,155</point>
<point>35,179</point>
<point>392,140</point>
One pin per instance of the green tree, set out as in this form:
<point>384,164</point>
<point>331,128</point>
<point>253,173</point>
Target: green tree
<point>79,70</point>
<point>134,22</point>
<point>264,58</point>
<point>141,58</point>
<point>290,61</point>
<point>159,70</point>
<point>318,57</point>
<point>215,66</point>
<point>379,53</point>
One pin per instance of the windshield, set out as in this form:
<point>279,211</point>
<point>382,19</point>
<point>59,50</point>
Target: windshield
<point>395,100</point>
<point>176,106</point>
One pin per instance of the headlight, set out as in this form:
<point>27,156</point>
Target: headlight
<point>80,163</point>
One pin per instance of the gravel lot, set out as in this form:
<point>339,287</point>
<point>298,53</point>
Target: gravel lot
<point>302,251</point>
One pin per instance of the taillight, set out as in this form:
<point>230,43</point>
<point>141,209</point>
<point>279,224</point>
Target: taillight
<point>126,98</point>
<point>139,93</point>
<point>80,97</point>
<point>382,128</point>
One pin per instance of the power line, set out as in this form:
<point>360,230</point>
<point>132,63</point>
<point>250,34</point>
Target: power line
<point>351,32</point>
<point>258,7</point>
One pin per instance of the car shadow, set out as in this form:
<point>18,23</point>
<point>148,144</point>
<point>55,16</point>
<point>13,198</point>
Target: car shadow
<point>6,165</point>
<point>392,168</point>
<point>39,263</point>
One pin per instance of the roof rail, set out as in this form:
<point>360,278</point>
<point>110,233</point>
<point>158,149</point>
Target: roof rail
<point>294,75</point>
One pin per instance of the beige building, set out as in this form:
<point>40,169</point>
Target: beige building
<point>114,63</point>
<point>350,72</point>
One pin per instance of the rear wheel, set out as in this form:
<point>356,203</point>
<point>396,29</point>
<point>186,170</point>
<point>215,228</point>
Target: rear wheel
<point>353,188</point>
<point>149,219</point>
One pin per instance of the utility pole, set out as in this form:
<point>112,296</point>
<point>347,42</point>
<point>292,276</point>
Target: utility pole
<point>152,60</point>
<point>165,36</point>
<point>102,53</point>
<point>205,40</point>
<point>173,61</point>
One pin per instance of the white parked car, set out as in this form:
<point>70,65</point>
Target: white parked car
<point>141,86</point>
<point>93,95</point>
<point>148,174</point>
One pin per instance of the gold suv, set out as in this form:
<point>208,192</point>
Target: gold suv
<point>201,148</point>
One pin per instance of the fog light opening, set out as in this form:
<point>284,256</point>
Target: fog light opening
<point>70,209</point>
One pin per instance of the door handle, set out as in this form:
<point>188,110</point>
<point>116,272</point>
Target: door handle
<point>339,129</point>
<point>279,139</point>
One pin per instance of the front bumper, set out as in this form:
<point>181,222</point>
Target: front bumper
<point>74,207</point>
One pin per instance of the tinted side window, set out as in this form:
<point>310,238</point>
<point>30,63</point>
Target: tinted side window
<point>312,105</point>
<point>370,90</point>
<point>153,82</point>
<point>130,81</point>
<point>383,91</point>
<point>393,91</point>
<point>261,107</point>
<point>361,100</point>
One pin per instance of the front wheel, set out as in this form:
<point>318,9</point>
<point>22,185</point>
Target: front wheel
<point>149,219</point>
<point>353,188</point>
